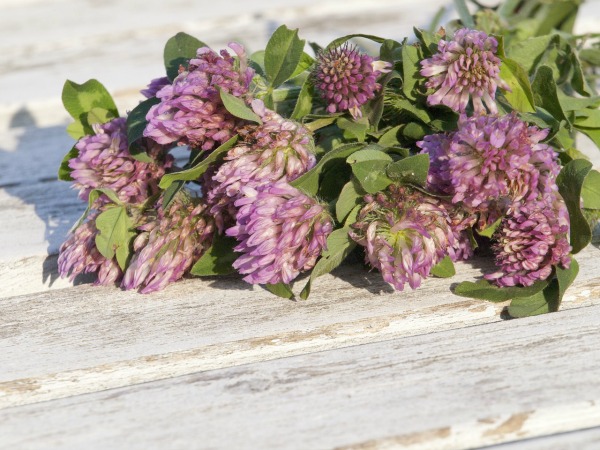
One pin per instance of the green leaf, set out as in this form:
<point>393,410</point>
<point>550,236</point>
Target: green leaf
<point>550,298</point>
<point>319,123</point>
<point>390,137</point>
<point>570,181</point>
<point>238,107</point>
<point>545,93</point>
<point>592,133</point>
<point>92,198</point>
<point>350,196</point>
<point>339,41</point>
<point>170,193</point>
<point>114,234</point>
<point>77,130</point>
<point>464,14</point>
<point>80,99</point>
<point>566,277</point>
<point>368,154</point>
<point>283,55</point>
<point>540,303</point>
<point>136,123</point>
<point>99,115</point>
<point>339,246</point>
<point>178,51</point>
<point>410,69</point>
<point>590,191</point>
<point>64,171</point>
<point>520,95</point>
<point>309,182</point>
<point>588,118</point>
<point>491,229</point>
<point>485,290</point>
<point>403,105</point>
<point>413,169</point>
<point>305,62</point>
<point>280,290</point>
<point>217,259</point>
<point>96,193</point>
<point>390,51</point>
<point>527,53</point>
<point>305,100</point>
<point>371,175</point>
<point>354,128</point>
<point>195,172</point>
<point>444,269</point>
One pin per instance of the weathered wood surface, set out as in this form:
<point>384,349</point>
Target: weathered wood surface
<point>453,389</point>
<point>215,363</point>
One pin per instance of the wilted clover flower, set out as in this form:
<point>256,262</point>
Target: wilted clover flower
<point>168,244</point>
<point>154,86</point>
<point>463,68</point>
<point>79,255</point>
<point>491,162</point>
<point>190,111</point>
<point>405,233</point>
<point>530,240</point>
<point>277,149</point>
<point>281,232</point>
<point>104,161</point>
<point>347,79</point>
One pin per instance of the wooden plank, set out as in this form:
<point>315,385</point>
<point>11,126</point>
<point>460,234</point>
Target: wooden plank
<point>586,439</point>
<point>85,339</point>
<point>125,53</point>
<point>460,388</point>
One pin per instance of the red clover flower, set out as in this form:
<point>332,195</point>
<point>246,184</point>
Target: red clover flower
<point>347,79</point>
<point>190,111</point>
<point>281,232</point>
<point>464,68</point>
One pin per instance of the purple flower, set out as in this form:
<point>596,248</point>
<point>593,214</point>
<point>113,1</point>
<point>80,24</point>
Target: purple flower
<point>405,233</point>
<point>154,86</point>
<point>347,79</point>
<point>463,68</point>
<point>281,232</point>
<point>168,244</point>
<point>79,255</point>
<point>491,162</point>
<point>104,161</point>
<point>278,149</point>
<point>191,111</point>
<point>532,239</point>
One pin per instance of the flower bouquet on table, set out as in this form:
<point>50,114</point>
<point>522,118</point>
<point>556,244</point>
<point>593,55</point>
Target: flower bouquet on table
<point>443,145</point>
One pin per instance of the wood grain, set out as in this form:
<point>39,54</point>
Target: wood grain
<point>89,339</point>
<point>452,389</point>
<point>215,363</point>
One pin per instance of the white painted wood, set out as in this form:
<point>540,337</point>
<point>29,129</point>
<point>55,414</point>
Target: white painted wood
<point>86,339</point>
<point>586,439</point>
<point>217,364</point>
<point>453,389</point>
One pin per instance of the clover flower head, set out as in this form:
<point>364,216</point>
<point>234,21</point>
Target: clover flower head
<point>155,85</point>
<point>405,233</point>
<point>169,244</point>
<point>464,68</point>
<point>277,149</point>
<point>491,162</point>
<point>347,78</point>
<point>532,239</point>
<point>280,232</point>
<point>79,255</point>
<point>104,161</point>
<point>190,111</point>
